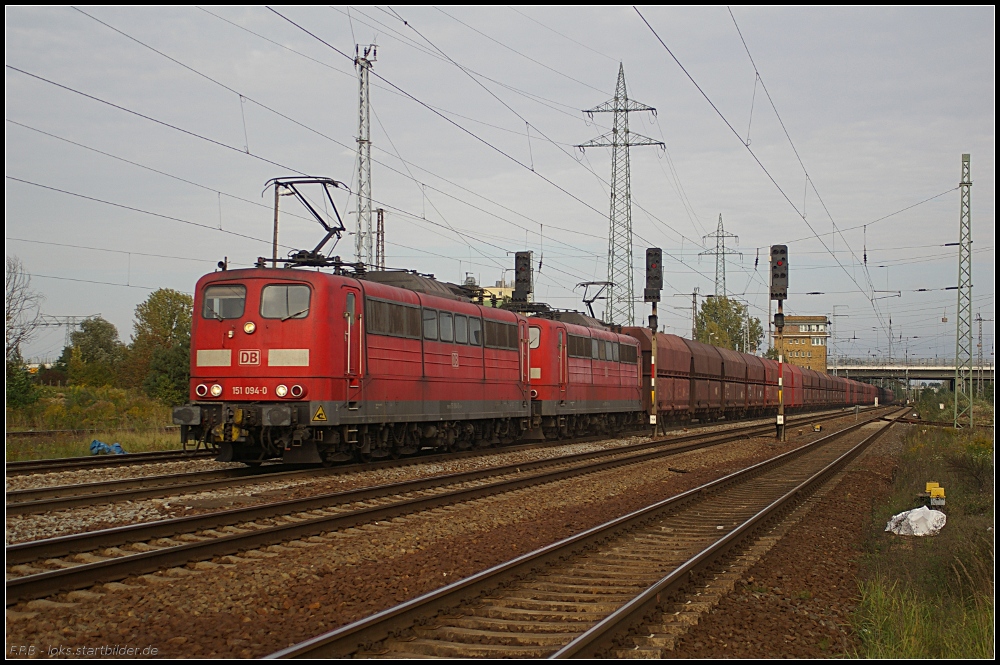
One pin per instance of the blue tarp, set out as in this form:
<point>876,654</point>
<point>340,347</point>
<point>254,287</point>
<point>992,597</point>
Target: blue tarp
<point>101,448</point>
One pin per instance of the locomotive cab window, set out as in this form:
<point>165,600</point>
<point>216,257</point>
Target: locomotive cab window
<point>284,301</point>
<point>224,302</point>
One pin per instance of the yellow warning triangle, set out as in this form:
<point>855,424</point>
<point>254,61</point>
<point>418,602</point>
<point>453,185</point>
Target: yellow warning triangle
<point>320,414</point>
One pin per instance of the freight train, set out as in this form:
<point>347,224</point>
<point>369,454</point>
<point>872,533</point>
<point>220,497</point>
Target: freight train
<point>314,367</point>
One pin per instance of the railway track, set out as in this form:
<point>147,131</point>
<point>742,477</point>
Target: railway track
<point>580,597</point>
<point>98,461</point>
<point>61,497</point>
<point>113,554</point>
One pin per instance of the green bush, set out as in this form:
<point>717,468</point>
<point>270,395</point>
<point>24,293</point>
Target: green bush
<point>89,407</point>
<point>21,390</point>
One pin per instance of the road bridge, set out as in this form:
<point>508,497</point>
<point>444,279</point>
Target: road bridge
<point>912,369</point>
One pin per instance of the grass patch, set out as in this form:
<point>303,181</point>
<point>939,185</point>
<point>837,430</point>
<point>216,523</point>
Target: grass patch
<point>78,445</point>
<point>932,597</point>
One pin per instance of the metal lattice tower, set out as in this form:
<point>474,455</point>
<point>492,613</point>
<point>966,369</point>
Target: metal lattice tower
<point>363,245</point>
<point>720,252</point>
<point>380,240</point>
<point>70,322</point>
<point>963,331</point>
<point>619,306</point>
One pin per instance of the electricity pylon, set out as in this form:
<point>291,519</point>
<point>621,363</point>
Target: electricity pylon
<point>619,307</point>
<point>363,246</point>
<point>963,330</point>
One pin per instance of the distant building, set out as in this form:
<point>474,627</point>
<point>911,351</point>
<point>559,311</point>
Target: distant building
<point>502,292</point>
<point>803,341</point>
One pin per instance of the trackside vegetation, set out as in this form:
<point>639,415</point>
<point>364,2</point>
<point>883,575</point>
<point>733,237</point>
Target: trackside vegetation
<point>932,597</point>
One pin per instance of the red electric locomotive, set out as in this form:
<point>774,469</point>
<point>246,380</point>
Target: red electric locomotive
<point>584,377</point>
<point>317,367</point>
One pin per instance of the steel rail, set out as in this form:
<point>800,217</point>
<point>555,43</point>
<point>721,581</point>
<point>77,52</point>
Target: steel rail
<point>70,463</point>
<point>61,497</point>
<point>83,575</point>
<point>600,638</point>
<point>349,639</point>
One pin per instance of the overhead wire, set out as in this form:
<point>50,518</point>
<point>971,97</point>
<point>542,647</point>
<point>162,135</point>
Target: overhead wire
<point>760,164</point>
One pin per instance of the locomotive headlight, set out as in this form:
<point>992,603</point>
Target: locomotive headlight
<point>201,390</point>
<point>249,327</point>
<point>216,390</point>
<point>297,391</point>
<point>281,390</point>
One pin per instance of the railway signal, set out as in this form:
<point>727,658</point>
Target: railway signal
<point>522,276</point>
<point>779,292</point>
<point>779,272</point>
<point>654,284</point>
<point>654,274</point>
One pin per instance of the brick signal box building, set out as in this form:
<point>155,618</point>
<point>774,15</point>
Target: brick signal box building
<point>804,341</point>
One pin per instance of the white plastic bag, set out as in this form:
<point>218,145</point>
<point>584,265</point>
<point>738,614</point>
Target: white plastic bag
<point>920,521</point>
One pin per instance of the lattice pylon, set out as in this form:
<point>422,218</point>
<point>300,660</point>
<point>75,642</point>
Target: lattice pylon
<point>963,329</point>
<point>363,245</point>
<point>620,303</point>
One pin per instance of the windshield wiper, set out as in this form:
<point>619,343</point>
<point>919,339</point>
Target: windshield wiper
<point>214,313</point>
<point>292,316</point>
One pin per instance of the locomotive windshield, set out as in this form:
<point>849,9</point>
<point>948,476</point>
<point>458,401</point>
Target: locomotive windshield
<point>224,302</point>
<point>284,301</point>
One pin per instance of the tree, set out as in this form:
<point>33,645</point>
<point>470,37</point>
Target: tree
<point>21,314</point>
<point>162,322</point>
<point>20,389</point>
<point>723,322</point>
<point>97,353</point>
<point>169,374</point>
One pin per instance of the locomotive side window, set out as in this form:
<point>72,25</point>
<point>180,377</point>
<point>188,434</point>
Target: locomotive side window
<point>285,301</point>
<point>579,347</point>
<point>430,324</point>
<point>501,335</point>
<point>461,329</point>
<point>629,354</point>
<point>534,334</point>
<point>393,319</point>
<point>614,351</point>
<point>447,327</point>
<point>476,331</point>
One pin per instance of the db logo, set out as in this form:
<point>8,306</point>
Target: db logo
<point>250,357</point>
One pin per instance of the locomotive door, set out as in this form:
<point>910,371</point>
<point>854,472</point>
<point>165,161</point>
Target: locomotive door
<point>525,352</point>
<point>563,369</point>
<point>353,343</point>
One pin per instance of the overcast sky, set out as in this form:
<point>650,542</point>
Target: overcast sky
<point>162,157</point>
